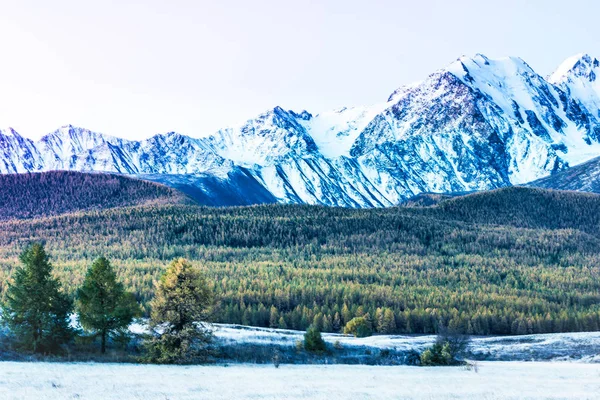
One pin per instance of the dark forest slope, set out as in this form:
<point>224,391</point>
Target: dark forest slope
<point>59,192</point>
<point>429,199</point>
<point>525,208</point>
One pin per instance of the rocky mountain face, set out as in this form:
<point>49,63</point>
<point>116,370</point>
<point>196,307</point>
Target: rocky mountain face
<point>476,124</point>
<point>583,178</point>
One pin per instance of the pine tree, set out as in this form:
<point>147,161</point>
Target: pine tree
<point>273,317</point>
<point>104,307</point>
<point>183,300</point>
<point>318,322</point>
<point>282,324</point>
<point>346,314</point>
<point>379,320</point>
<point>389,322</point>
<point>337,322</point>
<point>327,325</point>
<point>36,310</point>
<point>313,341</point>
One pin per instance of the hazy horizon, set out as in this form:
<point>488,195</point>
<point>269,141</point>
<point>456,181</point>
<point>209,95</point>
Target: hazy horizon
<point>132,70</point>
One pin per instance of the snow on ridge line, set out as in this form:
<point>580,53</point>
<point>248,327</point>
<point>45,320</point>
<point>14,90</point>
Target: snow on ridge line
<point>336,131</point>
<point>567,66</point>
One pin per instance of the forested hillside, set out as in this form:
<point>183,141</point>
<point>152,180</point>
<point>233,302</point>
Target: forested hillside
<point>59,192</point>
<point>510,261</point>
<point>526,208</point>
<point>429,199</point>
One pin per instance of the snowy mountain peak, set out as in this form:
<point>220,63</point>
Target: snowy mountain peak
<point>269,138</point>
<point>580,65</point>
<point>577,77</point>
<point>9,132</point>
<point>480,64</point>
<point>481,57</point>
<point>68,133</point>
<point>304,115</point>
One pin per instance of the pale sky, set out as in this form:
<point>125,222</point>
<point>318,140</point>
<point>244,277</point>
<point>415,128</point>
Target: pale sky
<point>136,68</point>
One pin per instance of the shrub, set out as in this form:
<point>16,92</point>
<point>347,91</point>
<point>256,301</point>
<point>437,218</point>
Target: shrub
<point>438,354</point>
<point>412,358</point>
<point>276,358</point>
<point>447,350</point>
<point>313,341</point>
<point>359,327</point>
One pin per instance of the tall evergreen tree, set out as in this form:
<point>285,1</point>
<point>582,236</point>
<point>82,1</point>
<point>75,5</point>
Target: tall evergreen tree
<point>104,307</point>
<point>183,300</point>
<point>273,317</point>
<point>388,322</point>
<point>36,310</point>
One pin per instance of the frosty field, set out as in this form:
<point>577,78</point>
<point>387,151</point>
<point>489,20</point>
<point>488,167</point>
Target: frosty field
<point>567,367</point>
<point>574,346</point>
<point>493,380</point>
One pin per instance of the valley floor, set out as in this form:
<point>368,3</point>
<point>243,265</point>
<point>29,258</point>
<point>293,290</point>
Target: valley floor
<point>492,380</point>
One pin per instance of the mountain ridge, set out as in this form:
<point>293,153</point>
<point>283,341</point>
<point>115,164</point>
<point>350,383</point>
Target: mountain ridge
<point>477,124</point>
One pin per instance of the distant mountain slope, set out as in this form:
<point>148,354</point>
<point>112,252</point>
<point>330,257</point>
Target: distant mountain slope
<point>524,207</point>
<point>583,177</point>
<point>238,188</point>
<point>429,199</point>
<point>477,124</point>
<point>58,192</point>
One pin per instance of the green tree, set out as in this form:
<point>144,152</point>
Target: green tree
<point>273,317</point>
<point>388,322</point>
<point>282,324</point>
<point>183,300</point>
<point>438,354</point>
<point>359,327</point>
<point>36,310</point>
<point>104,307</point>
<point>337,322</point>
<point>313,341</point>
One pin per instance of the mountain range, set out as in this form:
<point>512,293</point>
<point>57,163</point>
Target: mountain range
<point>477,124</point>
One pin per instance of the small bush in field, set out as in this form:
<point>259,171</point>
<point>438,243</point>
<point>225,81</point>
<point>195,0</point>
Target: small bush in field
<point>313,341</point>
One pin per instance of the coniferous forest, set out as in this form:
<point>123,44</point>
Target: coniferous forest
<point>510,261</point>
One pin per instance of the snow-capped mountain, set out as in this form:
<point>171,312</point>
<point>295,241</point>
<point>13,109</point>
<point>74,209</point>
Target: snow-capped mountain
<point>73,148</point>
<point>18,154</point>
<point>477,124</point>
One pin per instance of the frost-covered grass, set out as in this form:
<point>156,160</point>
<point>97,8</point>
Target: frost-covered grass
<point>577,346</point>
<point>490,380</point>
<point>493,380</point>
